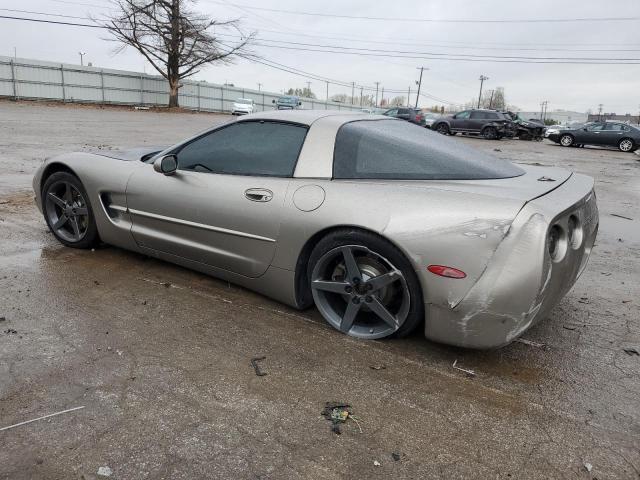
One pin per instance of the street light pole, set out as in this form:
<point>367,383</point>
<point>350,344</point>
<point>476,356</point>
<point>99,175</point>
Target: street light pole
<point>377,84</point>
<point>353,88</point>
<point>482,79</point>
<point>82,54</point>
<point>259,86</point>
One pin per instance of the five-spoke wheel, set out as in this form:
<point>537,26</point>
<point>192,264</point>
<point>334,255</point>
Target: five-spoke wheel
<point>362,292</point>
<point>67,210</point>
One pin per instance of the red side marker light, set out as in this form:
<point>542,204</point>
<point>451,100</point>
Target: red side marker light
<point>445,271</point>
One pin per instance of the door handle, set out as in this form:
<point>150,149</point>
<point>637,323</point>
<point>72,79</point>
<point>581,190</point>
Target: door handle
<point>258,194</point>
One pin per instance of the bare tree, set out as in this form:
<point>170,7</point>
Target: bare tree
<point>174,39</point>
<point>397,101</point>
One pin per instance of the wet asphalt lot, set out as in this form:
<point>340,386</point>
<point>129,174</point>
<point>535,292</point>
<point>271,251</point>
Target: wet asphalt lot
<point>159,356</point>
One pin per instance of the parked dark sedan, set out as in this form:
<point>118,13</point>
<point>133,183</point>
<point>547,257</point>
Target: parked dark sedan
<point>412,115</point>
<point>613,134</point>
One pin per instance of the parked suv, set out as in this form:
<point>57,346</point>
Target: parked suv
<point>490,124</point>
<point>412,115</point>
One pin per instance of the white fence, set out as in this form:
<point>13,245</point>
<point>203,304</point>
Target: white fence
<point>37,80</point>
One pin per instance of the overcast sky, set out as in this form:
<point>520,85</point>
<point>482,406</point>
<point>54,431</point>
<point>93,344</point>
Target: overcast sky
<point>571,86</point>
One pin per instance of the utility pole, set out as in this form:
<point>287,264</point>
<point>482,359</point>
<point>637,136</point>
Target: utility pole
<point>309,88</point>
<point>259,86</point>
<point>377,84</point>
<point>382,101</point>
<point>327,91</point>
<point>353,87</point>
<point>600,105</point>
<point>408,95</point>
<point>482,79</point>
<point>546,102</point>
<point>361,88</point>
<point>82,54</point>
<point>419,83</point>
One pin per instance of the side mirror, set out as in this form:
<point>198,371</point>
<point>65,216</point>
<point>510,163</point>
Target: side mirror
<point>166,165</point>
<point>273,101</point>
<point>299,103</point>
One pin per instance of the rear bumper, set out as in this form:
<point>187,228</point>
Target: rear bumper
<point>522,283</point>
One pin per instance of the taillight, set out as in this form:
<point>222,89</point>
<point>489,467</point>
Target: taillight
<point>444,271</point>
<point>419,118</point>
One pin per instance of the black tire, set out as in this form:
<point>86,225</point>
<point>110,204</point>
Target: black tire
<point>88,237</point>
<point>490,133</point>
<point>443,129</point>
<point>627,145</point>
<point>453,133</point>
<point>566,140</point>
<point>373,245</point>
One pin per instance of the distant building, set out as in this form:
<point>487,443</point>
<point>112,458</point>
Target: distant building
<point>627,118</point>
<point>560,116</point>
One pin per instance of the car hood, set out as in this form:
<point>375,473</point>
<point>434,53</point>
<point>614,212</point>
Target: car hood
<point>243,106</point>
<point>135,154</point>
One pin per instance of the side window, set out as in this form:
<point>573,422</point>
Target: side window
<point>403,111</point>
<point>478,115</point>
<point>462,115</point>
<point>391,113</point>
<point>596,127</point>
<point>616,127</point>
<point>246,148</point>
<point>492,115</point>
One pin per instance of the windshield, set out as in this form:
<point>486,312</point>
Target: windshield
<point>397,150</point>
<point>244,101</point>
<point>291,100</point>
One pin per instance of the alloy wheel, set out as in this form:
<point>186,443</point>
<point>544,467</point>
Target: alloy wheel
<point>626,145</point>
<point>66,211</point>
<point>566,140</point>
<point>359,292</point>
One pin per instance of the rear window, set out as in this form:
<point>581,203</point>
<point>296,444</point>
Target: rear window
<point>397,150</point>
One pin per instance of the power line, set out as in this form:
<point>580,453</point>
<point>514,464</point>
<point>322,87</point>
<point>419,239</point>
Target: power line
<point>431,20</point>
<point>520,57</point>
<point>469,58</point>
<point>400,54</point>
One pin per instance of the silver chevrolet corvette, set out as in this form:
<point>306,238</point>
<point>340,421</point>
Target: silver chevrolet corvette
<point>379,223</point>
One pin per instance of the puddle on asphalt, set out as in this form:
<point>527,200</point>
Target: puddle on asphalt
<point>616,227</point>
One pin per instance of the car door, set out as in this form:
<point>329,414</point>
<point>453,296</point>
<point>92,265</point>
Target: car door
<point>591,134</point>
<point>224,204</point>
<point>476,121</point>
<point>612,134</point>
<point>404,114</point>
<point>460,121</point>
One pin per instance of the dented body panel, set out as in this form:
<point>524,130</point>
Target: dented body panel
<point>494,230</point>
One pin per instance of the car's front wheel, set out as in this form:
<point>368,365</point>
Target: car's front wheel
<point>626,145</point>
<point>67,211</point>
<point>364,286</point>
<point>442,128</point>
<point>566,140</point>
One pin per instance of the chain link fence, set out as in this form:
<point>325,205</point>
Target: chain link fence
<point>39,80</point>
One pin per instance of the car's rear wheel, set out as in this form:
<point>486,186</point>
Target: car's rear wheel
<point>566,140</point>
<point>443,128</point>
<point>364,286</point>
<point>626,145</point>
<point>68,212</point>
<point>490,133</point>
